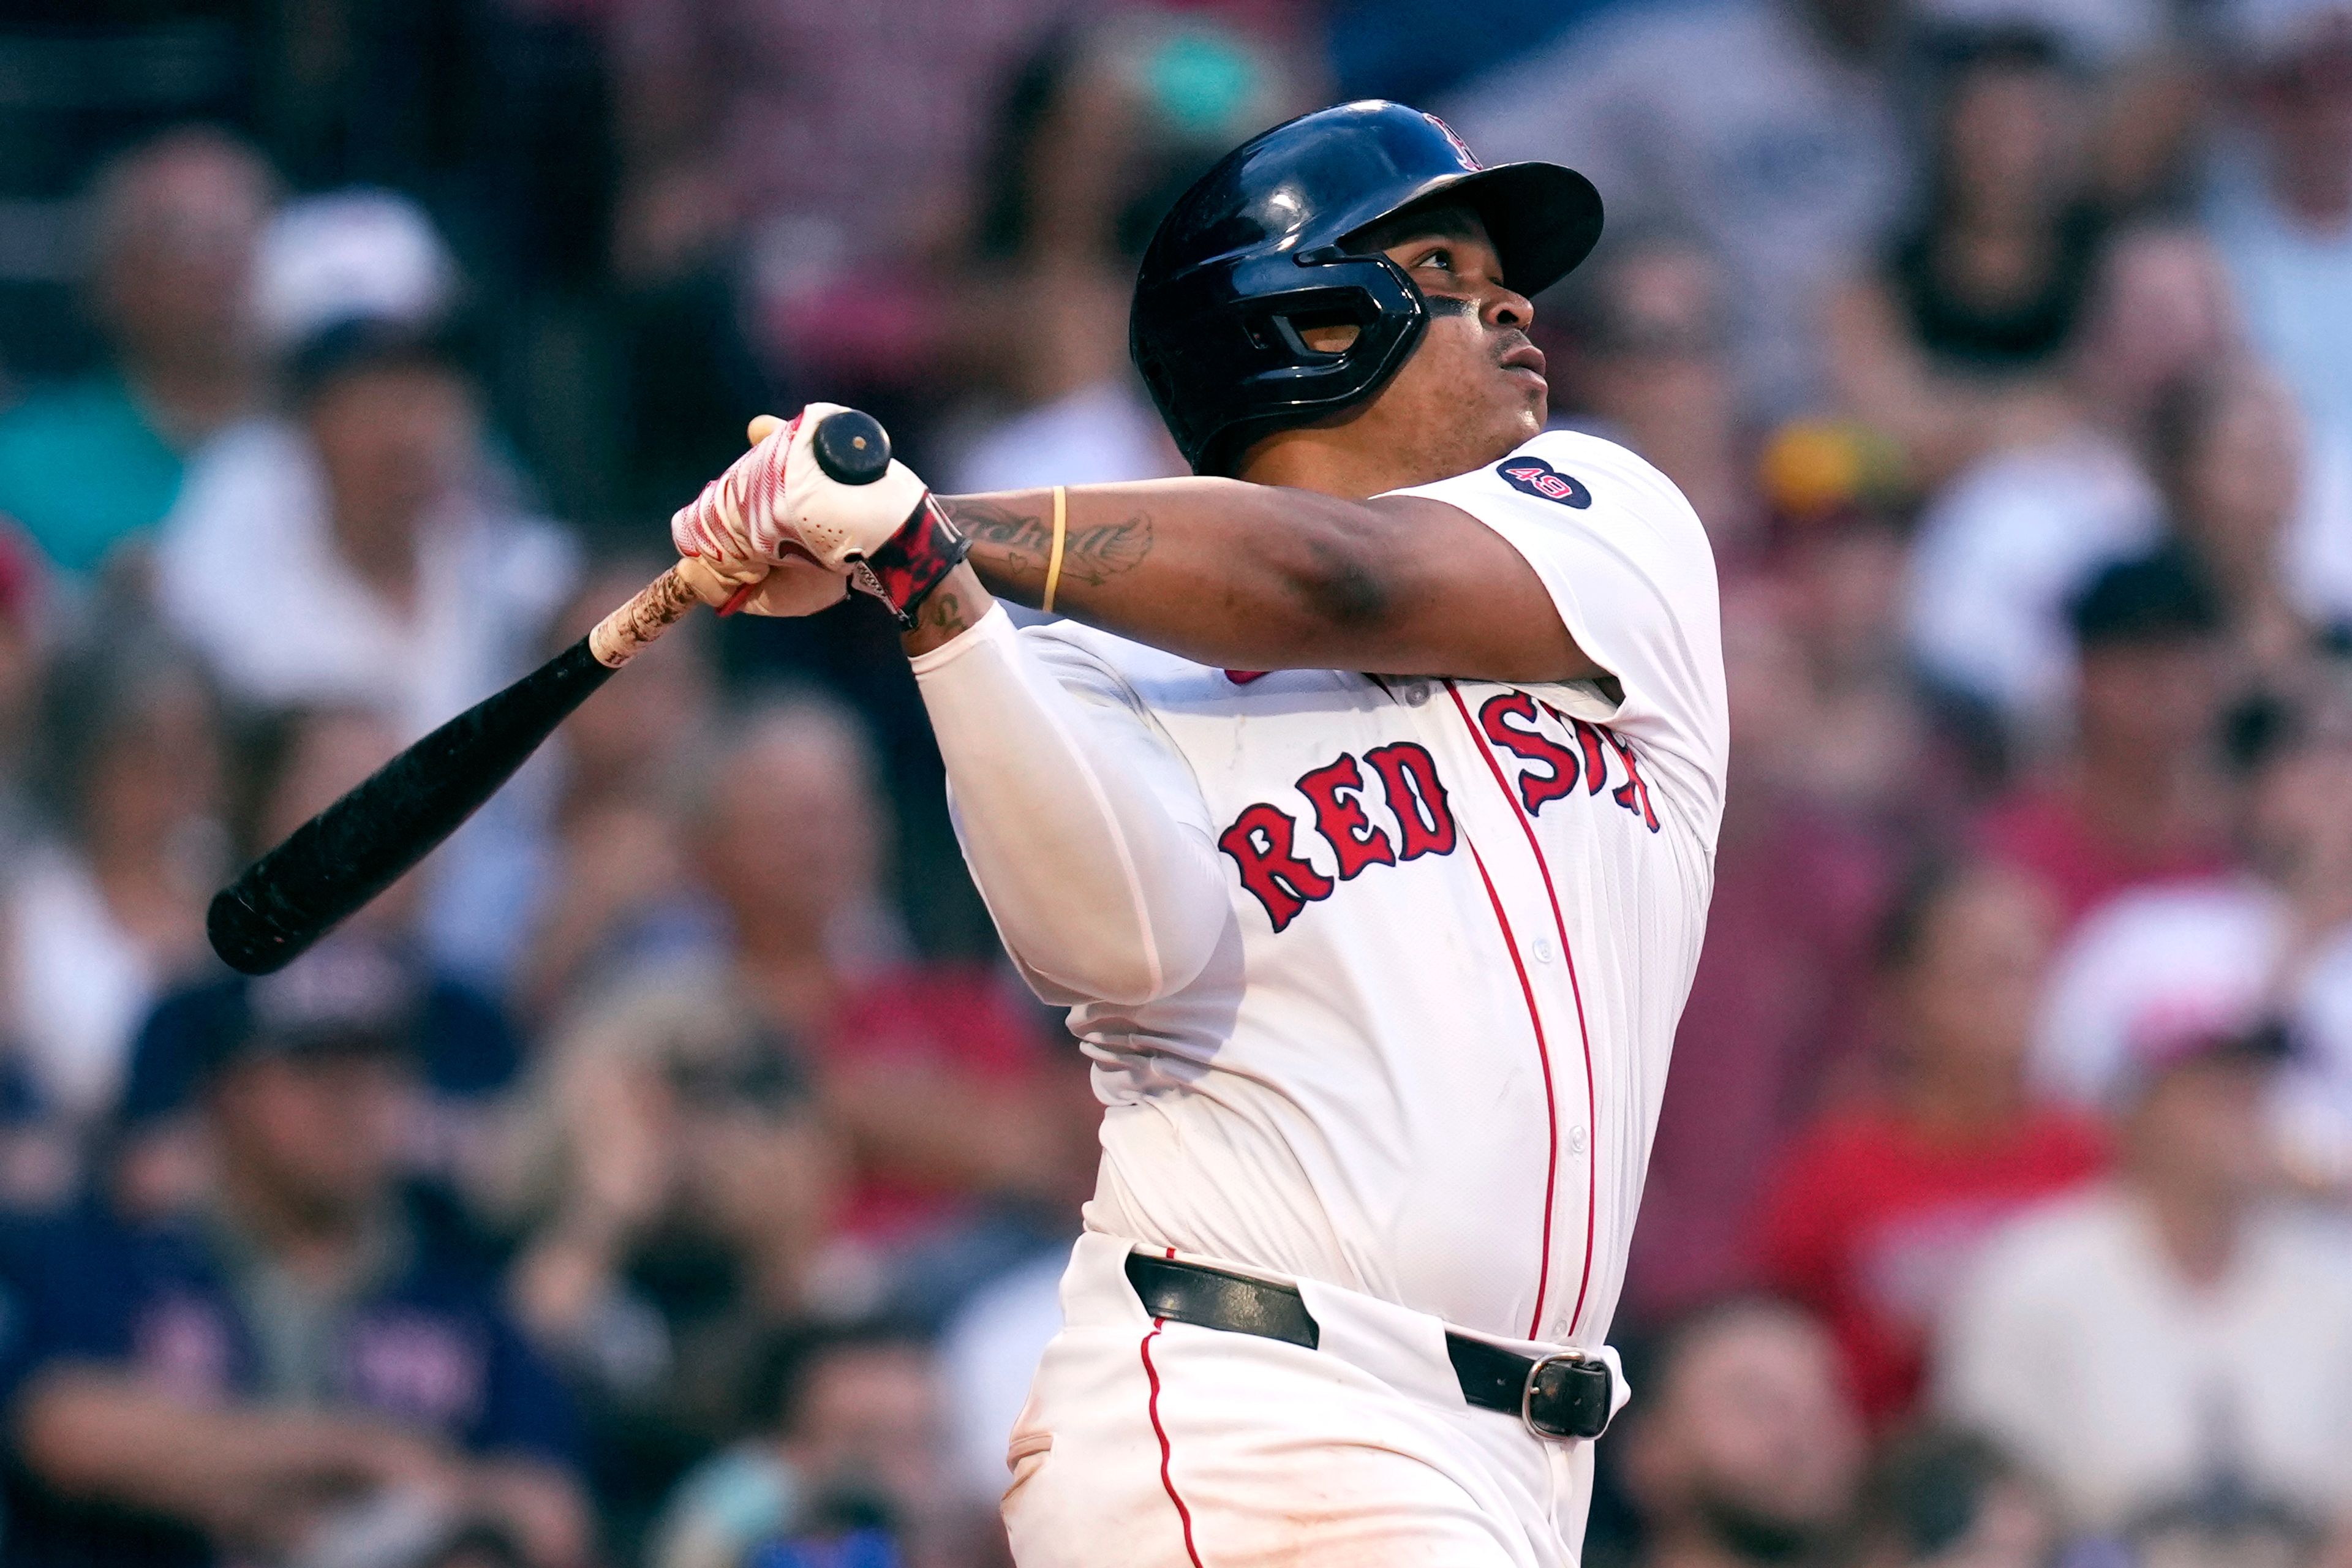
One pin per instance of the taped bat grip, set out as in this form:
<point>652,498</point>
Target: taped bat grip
<point>619,636</point>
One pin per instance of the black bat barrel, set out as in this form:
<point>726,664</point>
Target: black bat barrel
<point>361,845</point>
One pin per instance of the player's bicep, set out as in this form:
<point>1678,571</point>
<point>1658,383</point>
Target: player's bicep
<point>1462,600</point>
<point>1086,837</point>
<point>1118,727</point>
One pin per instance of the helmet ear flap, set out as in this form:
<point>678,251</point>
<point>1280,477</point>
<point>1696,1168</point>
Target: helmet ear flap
<point>1240,358</point>
<point>1291,327</point>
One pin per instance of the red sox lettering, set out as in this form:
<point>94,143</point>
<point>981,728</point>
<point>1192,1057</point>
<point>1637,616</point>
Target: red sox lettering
<point>1263,839</point>
<point>1553,771</point>
<point>1416,817</point>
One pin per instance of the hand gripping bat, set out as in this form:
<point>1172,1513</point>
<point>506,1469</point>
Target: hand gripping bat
<point>365,841</point>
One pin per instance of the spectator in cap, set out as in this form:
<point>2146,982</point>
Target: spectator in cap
<point>372,525</point>
<point>173,225</point>
<point>2180,1325</point>
<point>2282,211</point>
<point>2275,935</point>
<point>311,1357</point>
<point>293,764</point>
<point>358,254</point>
<point>2140,795</point>
<point>393,581</point>
<point>1838,553</point>
<point>1741,1448</point>
<point>1875,1212</point>
<point>105,906</point>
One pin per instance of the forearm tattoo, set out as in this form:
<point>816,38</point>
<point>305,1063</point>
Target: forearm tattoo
<point>942,616</point>
<point>1010,547</point>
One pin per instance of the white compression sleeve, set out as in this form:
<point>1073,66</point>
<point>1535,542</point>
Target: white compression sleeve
<point>1088,838</point>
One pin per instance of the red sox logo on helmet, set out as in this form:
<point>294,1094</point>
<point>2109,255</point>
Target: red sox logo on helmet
<point>1538,477</point>
<point>1469,159</point>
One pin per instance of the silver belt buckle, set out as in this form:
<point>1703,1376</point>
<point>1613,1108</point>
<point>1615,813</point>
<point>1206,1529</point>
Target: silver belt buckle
<point>1527,1395</point>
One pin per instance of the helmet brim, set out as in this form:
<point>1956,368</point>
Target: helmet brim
<point>1544,218</point>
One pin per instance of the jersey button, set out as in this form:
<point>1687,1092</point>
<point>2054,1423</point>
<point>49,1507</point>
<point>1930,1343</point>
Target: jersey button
<point>1543,950</point>
<point>1576,1139</point>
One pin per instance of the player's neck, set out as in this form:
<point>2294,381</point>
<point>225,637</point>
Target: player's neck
<point>1349,461</point>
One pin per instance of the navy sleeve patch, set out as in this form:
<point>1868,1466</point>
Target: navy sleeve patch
<point>1538,477</point>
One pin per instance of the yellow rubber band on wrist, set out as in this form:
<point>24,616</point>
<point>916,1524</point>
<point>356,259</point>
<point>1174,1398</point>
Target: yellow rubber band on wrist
<point>1061,534</point>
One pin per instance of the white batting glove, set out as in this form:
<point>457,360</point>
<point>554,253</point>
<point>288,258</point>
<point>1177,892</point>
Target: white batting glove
<point>777,519</point>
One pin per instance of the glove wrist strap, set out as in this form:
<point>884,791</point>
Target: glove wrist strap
<point>903,570</point>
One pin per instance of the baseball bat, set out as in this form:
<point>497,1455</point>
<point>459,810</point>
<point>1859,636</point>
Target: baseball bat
<point>355,848</point>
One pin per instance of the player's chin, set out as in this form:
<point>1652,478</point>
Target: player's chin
<point>1525,398</point>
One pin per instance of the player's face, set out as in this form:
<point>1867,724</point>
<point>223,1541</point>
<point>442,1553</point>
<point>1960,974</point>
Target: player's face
<point>1475,386</point>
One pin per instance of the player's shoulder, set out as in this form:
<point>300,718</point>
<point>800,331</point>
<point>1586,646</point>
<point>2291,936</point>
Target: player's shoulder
<point>1075,639</point>
<point>1581,451</point>
<point>1070,648</point>
<point>1573,477</point>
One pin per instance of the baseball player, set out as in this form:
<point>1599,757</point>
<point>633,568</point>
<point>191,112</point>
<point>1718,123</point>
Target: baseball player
<point>1362,810</point>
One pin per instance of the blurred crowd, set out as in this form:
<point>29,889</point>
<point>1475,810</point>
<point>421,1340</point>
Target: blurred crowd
<point>657,1176</point>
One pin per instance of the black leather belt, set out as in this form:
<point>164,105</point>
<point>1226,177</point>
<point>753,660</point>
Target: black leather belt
<point>1566,1394</point>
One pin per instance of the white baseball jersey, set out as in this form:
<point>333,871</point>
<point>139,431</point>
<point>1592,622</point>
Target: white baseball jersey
<point>1424,1057</point>
<point>1380,976</point>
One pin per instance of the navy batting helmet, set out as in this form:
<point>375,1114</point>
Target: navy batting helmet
<point>1255,252</point>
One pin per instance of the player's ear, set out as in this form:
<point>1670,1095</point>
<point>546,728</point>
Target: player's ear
<point>762,426</point>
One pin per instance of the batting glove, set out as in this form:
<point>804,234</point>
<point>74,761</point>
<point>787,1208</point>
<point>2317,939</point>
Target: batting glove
<point>777,519</point>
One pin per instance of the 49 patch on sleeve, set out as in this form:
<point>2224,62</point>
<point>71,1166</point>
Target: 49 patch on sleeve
<point>1538,477</point>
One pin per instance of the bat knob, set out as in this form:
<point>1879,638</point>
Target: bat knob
<point>852,449</point>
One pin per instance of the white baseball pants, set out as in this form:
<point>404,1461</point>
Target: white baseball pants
<point>1164,1445</point>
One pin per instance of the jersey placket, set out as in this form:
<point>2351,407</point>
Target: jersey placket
<point>1519,883</point>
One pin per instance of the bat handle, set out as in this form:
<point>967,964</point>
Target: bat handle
<point>623,634</point>
<point>852,448</point>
